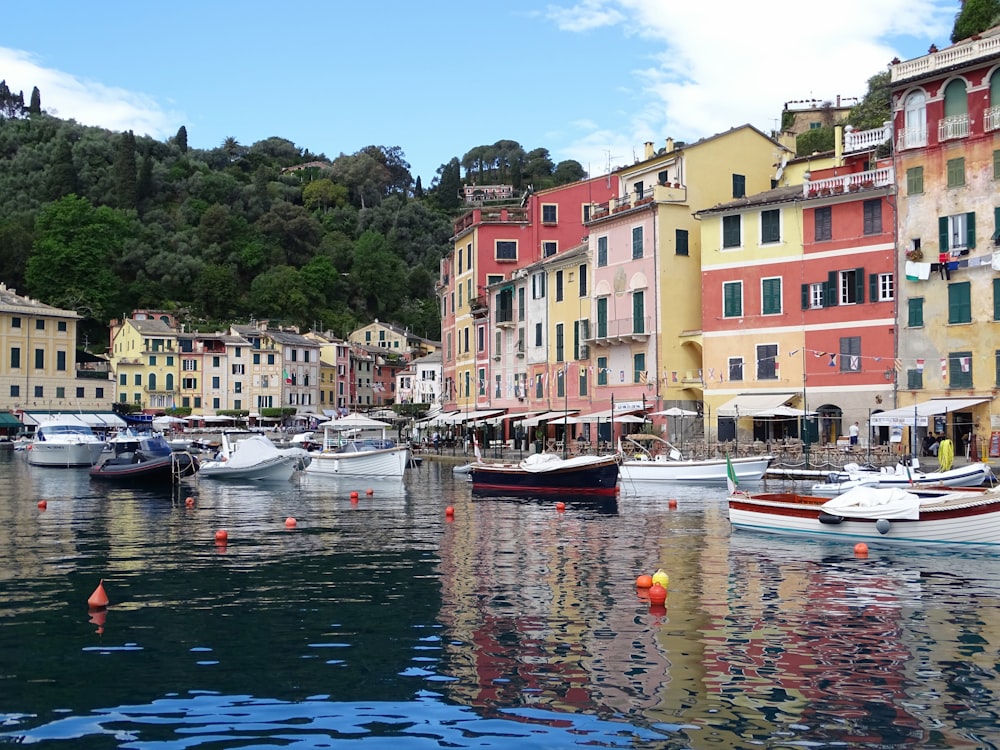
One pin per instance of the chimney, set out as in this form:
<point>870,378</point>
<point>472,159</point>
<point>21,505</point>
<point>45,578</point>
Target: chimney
<point>670,145</point>
<point>648,150</point>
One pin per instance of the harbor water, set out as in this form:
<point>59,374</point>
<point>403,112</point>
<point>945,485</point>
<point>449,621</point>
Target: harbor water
<point>385,622</point>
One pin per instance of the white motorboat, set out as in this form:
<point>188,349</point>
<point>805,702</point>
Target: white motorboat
<point>64,440</point>
<point>668,465</point>
<point>907,477</point>
<point>346,452</point>
<point>251,456</point>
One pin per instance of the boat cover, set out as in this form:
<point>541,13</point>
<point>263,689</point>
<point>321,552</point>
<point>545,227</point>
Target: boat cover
<point>865,501</point>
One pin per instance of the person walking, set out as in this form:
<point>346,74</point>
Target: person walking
<point>855,431</point>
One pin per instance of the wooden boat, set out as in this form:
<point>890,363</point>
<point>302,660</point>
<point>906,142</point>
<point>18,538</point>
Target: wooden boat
<point>946,516</point>
<point>971,475</point>
<point>547,472</point>
<point>656,460</point>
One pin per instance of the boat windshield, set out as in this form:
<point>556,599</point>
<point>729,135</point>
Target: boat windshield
<point>51,430</point>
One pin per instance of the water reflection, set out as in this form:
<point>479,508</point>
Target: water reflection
<point>512,624</point>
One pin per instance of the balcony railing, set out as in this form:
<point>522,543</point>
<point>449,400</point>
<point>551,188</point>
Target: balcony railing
<point>505,316</point>
<point>850,183</point>
<point>991,119</point>
<point>962,53</point>
<point>956,126</point>
<point>911,138</point>
<point>866,140</point>
<point>620,331</point>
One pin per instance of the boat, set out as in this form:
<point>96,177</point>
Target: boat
<point>547,472</point>
<point>253,457</point>
<point>64,440</point>
<point>662,462</point>
<point>837,482</point>
<point>347,452</point>
<point>961,515</point>
<point>140,459</point>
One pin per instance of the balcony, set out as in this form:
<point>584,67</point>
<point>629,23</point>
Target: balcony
<point>622,331</point>
<point>991,119</point>
<point>963,53</point>
<point>956,126</point>
<point>866,140</point>
<point>505,318</point>
<point>854,182</point>
<point>911,138</point>
<point>494,215</point>
<point>478,307</point>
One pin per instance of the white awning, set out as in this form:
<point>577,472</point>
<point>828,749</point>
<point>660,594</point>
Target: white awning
<point>548,416</point>
<point>752,404</point>
<point>438,418</point>
<point>468,416</point>
<point>918,413</point>
<point>101,421</point>
<point>607,415</point>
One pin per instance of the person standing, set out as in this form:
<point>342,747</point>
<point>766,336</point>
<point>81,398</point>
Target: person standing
<point>855,431</point>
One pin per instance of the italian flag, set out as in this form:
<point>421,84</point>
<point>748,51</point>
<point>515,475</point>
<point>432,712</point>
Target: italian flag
<point>731,481</point>
<point>288,378</point>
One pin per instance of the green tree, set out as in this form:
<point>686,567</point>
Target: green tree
<point>567,172</point>
<point>73,257</point>
<point>125,171</point>
<point>62,174</point>
<point>447,185</point>
<point>35,108</point>
<point>875,107</point>
<point>975,17</point>
<point>181,139</point>
<point>215,290</point>
<point>378,274</point>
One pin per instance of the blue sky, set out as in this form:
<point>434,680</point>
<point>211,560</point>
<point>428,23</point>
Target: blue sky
<point>591,80</point>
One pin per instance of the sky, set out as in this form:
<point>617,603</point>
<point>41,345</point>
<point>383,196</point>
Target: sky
<point>590,80</point>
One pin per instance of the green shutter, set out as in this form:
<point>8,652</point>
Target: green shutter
<point>859,285</point>
<point>915,308</point>
<point>970,230</point>
<point>805,296</point>
<point>830,293</point>
<point>943,233</point>
<point>996,223</point>
<point>996,299</point>
<point>873,287</point>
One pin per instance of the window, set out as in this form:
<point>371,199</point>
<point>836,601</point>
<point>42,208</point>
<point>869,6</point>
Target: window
<point>539,387</point>
<point>583,384</point>
<point>549,215</point>
<point>732,231</point>
<point>80,393</point>
<point>586,212</point>
<point>639,368</point>
<point>956,172</point>
<point>639,190</point>
<point>15,358</point>
<point>481,339</point>
<point>602,252</point>
<point>538,334</point>
<point>957,234</point>
<point>602,317</point>
<point>915,312</point>
<point>770,296</point>
<point>812,295</point>
<point>959,302</point>
<point>851,286</point>
<point>520,303</point>
<point>561,376</point>
<point>538,286</point>
<point>914,379</point>
<point>61,361</point>
<point>482,382</point>
<point>824,223</point>
<point>61,326</point>
<point>559,286</point>
<point>39,325</point>
<point>873,216</point>
<point>15,322</point>
<point>216,383</point>
<point>915,180</point>
<point>636,243</point>
<point>770,226</point>
<point>915,121</point>
<point>15,391</point>
<point>638,313</point>
<point>732,299</point>
<point>582,271</point>
<point>739,186</point>
<point>681,241</point>
<point>996,162</point>
<point>39,359</point>
<point>767,357</point>
<point>850,354</point>
<point>549,248</point>
<point>189,365</point>
<point>602,370</point>
<point>960,369</point>
<point>40,392</point>
<point>506,250</point>
<point>996,299</point>
<point>882,287</point>
<point>735,368</point>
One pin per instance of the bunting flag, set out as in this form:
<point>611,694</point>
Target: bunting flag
<point>731,481</point>
<point>855,363</point>
<point>711,373</point>
<point>964,361</point>
<point>920,365</point>
<point>673,376</point>
<point>944,369</point>
<point>777,368</point>
<point>833,360</point>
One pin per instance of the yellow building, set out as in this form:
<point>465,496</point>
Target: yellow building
<point>145,358</point>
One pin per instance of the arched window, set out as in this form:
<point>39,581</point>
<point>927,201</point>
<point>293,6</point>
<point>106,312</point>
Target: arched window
<point>915,126</point>
<point>991,119</point>
<point>955,123</point>
<point>152,381</point>
<point>170,381</point>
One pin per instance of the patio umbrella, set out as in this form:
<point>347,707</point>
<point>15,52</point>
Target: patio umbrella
<point>673,412</point>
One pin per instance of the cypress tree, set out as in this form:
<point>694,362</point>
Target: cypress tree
<point>182,139</point>
<point>35,108</point>
<point>144,188</point>
<point>125,171</point>
<point>62,175</point>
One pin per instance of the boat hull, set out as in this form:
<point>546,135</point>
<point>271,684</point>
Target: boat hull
<point>708,472</point>
<point>381,462</point>
<point>596,478</point>
<point>275,469</point>
<point>961,517</point>
<point>64,454</point>
<point>157,470</point>
<point>973,475</point>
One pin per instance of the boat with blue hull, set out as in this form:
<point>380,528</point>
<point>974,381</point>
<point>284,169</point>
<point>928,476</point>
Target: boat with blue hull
<point>548,473</point>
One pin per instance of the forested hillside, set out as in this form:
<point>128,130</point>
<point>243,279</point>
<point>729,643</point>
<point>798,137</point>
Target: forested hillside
<point>103,222</point>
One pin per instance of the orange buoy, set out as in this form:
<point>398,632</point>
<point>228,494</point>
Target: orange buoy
<point>657,594</point>
<point>560,506</point>
<point>43,504</point>
<point>222,535</point>
<point>861,549</point>
<point>449,511</point>
<point>290,523</point>
<point>671,503</point>
<point>354,494</point>
<point>189,502</point>
<point>644,581</point>
<point>99,598</point>
<point>369,491</point>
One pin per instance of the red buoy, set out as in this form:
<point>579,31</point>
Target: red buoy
<point>290,523</point>
<point>369,491</point>
<point>560,506</point>
<point>861,549</point>
<point>449,511</point>
<point>671,503</point>
<point>657,594</point>
<point>99,598</point>
<point>222,535</point>
<point>43,504</point>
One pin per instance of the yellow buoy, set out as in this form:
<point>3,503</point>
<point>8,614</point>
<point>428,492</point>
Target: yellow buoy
<point>661,578</point>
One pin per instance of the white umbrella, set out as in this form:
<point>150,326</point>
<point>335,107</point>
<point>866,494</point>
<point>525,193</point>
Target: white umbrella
<point>674,411</point>
<point>356,421</point>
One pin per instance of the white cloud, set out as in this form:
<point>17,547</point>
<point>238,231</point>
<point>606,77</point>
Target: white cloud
<point>89,103</point>
<point>715,65</point>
